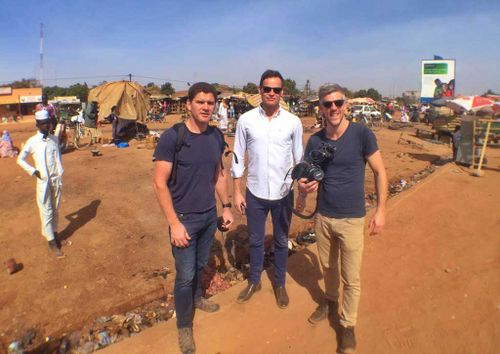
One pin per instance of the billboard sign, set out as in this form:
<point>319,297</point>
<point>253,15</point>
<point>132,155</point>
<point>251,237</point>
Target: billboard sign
<point>438,79</point>
<point>5,90</point>
<point>30,99</point>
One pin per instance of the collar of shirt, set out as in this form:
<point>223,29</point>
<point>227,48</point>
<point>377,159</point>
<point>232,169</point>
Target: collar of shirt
<point>263,113</point>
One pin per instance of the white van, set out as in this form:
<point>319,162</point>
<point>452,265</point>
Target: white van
<point>367,111</point>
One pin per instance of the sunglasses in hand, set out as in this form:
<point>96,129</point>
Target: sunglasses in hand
<point>277,90</point>
<point>329,104</point>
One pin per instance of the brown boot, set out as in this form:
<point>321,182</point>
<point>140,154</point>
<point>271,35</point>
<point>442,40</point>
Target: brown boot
<point>347,340</point>
<point>186,340</point>
<point>322,311</point>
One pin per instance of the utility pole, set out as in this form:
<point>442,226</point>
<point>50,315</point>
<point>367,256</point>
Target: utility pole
<point>307,89</point>
<point>41,54</point>
<point>130,77</point>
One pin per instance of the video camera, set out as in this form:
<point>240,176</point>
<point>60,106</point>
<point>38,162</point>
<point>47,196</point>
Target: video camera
<point>310,168</point>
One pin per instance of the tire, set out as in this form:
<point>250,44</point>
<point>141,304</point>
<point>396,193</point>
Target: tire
<point>82,138</point>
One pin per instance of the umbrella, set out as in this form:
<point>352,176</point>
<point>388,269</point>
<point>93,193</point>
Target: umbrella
<point>469,103</point>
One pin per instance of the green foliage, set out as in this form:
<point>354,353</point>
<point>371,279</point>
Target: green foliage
<point>79,90</point>
<point>251,88</point>
<point>167,89</point>
<point>371,92</point>
<point>152,88</point>
<point>23,83</point>
<point>290,87</point>
<point>53,91</point>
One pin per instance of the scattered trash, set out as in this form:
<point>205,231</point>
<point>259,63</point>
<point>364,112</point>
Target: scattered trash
<point>12,266</point>
<point>306,239</point>
<point>96,152</point>
<point>103,339</point>
<point>122,144</point>
<point>103,331</point>
<point>28,338</point>
<point>15,348</point>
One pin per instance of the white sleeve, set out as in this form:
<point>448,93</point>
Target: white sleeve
<point>21,159</point>
<point>240,143</point>
<point>298,147</point>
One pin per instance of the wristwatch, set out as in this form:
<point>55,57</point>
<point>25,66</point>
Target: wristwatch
<point>227,205</point>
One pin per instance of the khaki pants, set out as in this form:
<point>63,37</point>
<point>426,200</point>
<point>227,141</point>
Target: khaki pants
<point>340,242</point>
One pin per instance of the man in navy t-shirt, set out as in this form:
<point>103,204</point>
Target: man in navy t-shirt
<point>339,224</point>
<point>185,183</point>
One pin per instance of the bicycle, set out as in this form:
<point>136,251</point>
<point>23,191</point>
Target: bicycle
<point>82,138</point>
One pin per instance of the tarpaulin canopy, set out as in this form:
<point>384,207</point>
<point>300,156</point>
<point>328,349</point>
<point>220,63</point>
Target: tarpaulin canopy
<point>130,98</point>
<point>367,100</point>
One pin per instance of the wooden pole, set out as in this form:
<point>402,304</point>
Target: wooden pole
<point>478,172</point>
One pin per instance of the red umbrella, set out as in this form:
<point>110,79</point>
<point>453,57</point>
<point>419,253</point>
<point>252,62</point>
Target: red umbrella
<point>469,103</point>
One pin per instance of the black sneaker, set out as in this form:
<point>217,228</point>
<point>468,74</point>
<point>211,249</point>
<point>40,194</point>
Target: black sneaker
<point>55,249</point>
<point>186,340</point>
<point>206,305</point>
<point>348,340</point>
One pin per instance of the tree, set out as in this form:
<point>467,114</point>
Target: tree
<point>167,89</point>
<point>79,90</point>
<point>24,83</point>
<point>152,88</point>
<point>250,87</point>
<point>290,87</point>
<point>373,94</point>
<point>52,91</point>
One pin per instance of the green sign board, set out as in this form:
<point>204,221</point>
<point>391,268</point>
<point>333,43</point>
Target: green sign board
<point>436,69</point>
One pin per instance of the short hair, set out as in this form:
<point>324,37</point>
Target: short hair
<point>204,87</point>
<point>327,89</point>
<point>270,73</point>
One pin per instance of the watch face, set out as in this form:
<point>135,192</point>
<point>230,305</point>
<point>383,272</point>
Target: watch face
<point>228,205</point>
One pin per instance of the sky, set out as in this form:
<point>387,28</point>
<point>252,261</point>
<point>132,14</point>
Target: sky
<point>357,44</point>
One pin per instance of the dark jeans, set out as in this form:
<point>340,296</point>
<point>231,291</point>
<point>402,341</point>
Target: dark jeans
<point>190,261</point>
<point>281,213</point>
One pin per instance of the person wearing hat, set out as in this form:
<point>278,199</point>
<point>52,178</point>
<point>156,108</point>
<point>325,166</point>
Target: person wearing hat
<point>48,171</point>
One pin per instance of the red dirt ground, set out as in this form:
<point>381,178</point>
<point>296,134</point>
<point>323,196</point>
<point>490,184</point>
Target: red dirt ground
<point>119,236</point>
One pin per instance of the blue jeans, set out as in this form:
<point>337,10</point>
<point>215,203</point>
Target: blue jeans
<point>190,261</point>
<point>281,213</point>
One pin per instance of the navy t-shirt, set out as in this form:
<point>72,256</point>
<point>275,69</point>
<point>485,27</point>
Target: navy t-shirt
<point>342,191</point>
<point>198,160</point>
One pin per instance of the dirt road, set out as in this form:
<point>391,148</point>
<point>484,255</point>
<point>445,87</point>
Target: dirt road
<point>119,234</point>
<point>430,285</point>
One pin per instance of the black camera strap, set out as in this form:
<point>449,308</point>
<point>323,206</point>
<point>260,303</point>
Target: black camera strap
<point>295,211</point>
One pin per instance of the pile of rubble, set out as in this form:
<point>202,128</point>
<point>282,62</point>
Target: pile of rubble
<point>102,332</point>
<point>402,184</point>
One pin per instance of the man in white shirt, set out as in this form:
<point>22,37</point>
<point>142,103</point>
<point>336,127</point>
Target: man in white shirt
<point>272,138</point>
<point>48,171</point>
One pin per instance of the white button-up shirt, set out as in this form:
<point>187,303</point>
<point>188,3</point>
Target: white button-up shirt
<point>274,146</point>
